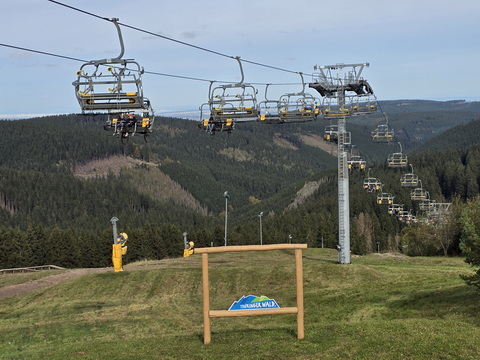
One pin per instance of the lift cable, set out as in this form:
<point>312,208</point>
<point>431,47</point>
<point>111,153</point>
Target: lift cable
<point>43,52</point>
<point>177,41</point>
<point>145,72</point>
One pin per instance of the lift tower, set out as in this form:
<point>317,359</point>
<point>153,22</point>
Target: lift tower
<point>344,93</point>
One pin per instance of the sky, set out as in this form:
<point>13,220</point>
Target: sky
<point>416,49</point>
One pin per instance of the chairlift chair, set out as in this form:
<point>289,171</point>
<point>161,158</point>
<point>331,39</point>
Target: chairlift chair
<point>268,112</point>
<point>404,215</point>
<point>127,124</point>
<point>356,162</point>
<point>331,133</point>
<point>114,87</point>
<point>228,104</point>
<point>212,126</point>
<point>419,194</point>
<point>395,209</point>
<point>409,179</point>
<point>426,220</point>
<point>371,184</point>
<point>298,107</point>
<point>363,105</point>
<point>382,134</point>
<point>384,198</point>
<point>397,160</point>
<point>331,108</point>
<point>411,219</point>
<point>118,89</point>
<point>235,102</point>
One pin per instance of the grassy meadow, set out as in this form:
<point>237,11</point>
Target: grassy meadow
<point>381,306</point>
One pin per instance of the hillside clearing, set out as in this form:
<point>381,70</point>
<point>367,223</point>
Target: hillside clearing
<point>109,165</point>
<point>379,307</point>
<point>144,176</point>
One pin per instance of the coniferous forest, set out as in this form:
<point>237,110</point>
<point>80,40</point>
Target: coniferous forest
<point>63,178</point>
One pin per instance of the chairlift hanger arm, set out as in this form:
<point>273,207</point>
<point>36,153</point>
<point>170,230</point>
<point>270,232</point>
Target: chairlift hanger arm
<point>303,82</point>
<point>118,59</point>
<point>241,68</point>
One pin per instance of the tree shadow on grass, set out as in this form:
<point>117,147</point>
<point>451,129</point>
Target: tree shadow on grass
<point>437,304</point>
<point>222,336</point>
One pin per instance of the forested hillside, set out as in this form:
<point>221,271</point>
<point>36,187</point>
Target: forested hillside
<point>461,136</point>
<point>175,183</point>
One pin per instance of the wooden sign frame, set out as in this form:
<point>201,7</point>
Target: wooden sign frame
<point>208,314</point>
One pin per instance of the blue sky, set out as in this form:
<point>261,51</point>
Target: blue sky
<point>417,49</point>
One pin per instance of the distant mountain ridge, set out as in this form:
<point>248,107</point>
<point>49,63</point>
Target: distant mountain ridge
<point>254,164</point>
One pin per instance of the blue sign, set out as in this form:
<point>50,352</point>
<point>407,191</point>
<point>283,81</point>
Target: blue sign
<point>252,302</point>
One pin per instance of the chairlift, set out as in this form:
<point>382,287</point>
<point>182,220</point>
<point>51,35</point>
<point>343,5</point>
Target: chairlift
<point>395,209</point>
<point>419,194</point>
<point>126,125</point>
<point>356,162</point>
<point>290,108</point>
<point>405,216</point>
<point>362,105</point>
<point>396,160</point>
<point>119,89</point>
<point>382,134</point>
<point>331,133</point>
<point>228,104</point>
<point>384,198</point>
<point>365,101</point>
<point>212,126</point>
<point>298,107</point>
<point>371,184</point>
<point>233,101</point>
<point>412,220</point>
<point>331,108</point>
<point>268,110</point>
<point>114,87</point>
<point>409,179</point>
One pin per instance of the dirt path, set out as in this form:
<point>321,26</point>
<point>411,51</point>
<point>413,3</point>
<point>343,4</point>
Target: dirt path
<point>39,284</point>
<point>34,285</point>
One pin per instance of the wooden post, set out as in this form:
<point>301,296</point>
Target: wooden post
<point>206,300</point>
<point>207,313</point>
<point>299,281</point>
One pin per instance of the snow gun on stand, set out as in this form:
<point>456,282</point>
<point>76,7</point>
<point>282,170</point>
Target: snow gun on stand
<point>119,247</point>
<point>188,250</point>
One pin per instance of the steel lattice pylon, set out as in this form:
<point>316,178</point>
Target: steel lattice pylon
<point>344,93</point>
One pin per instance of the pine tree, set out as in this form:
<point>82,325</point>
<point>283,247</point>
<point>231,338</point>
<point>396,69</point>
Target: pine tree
<point>470,238</point>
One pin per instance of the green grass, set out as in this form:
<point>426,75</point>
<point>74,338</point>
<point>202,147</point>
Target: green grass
<point>378,307</point>
<point>20,278</point>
